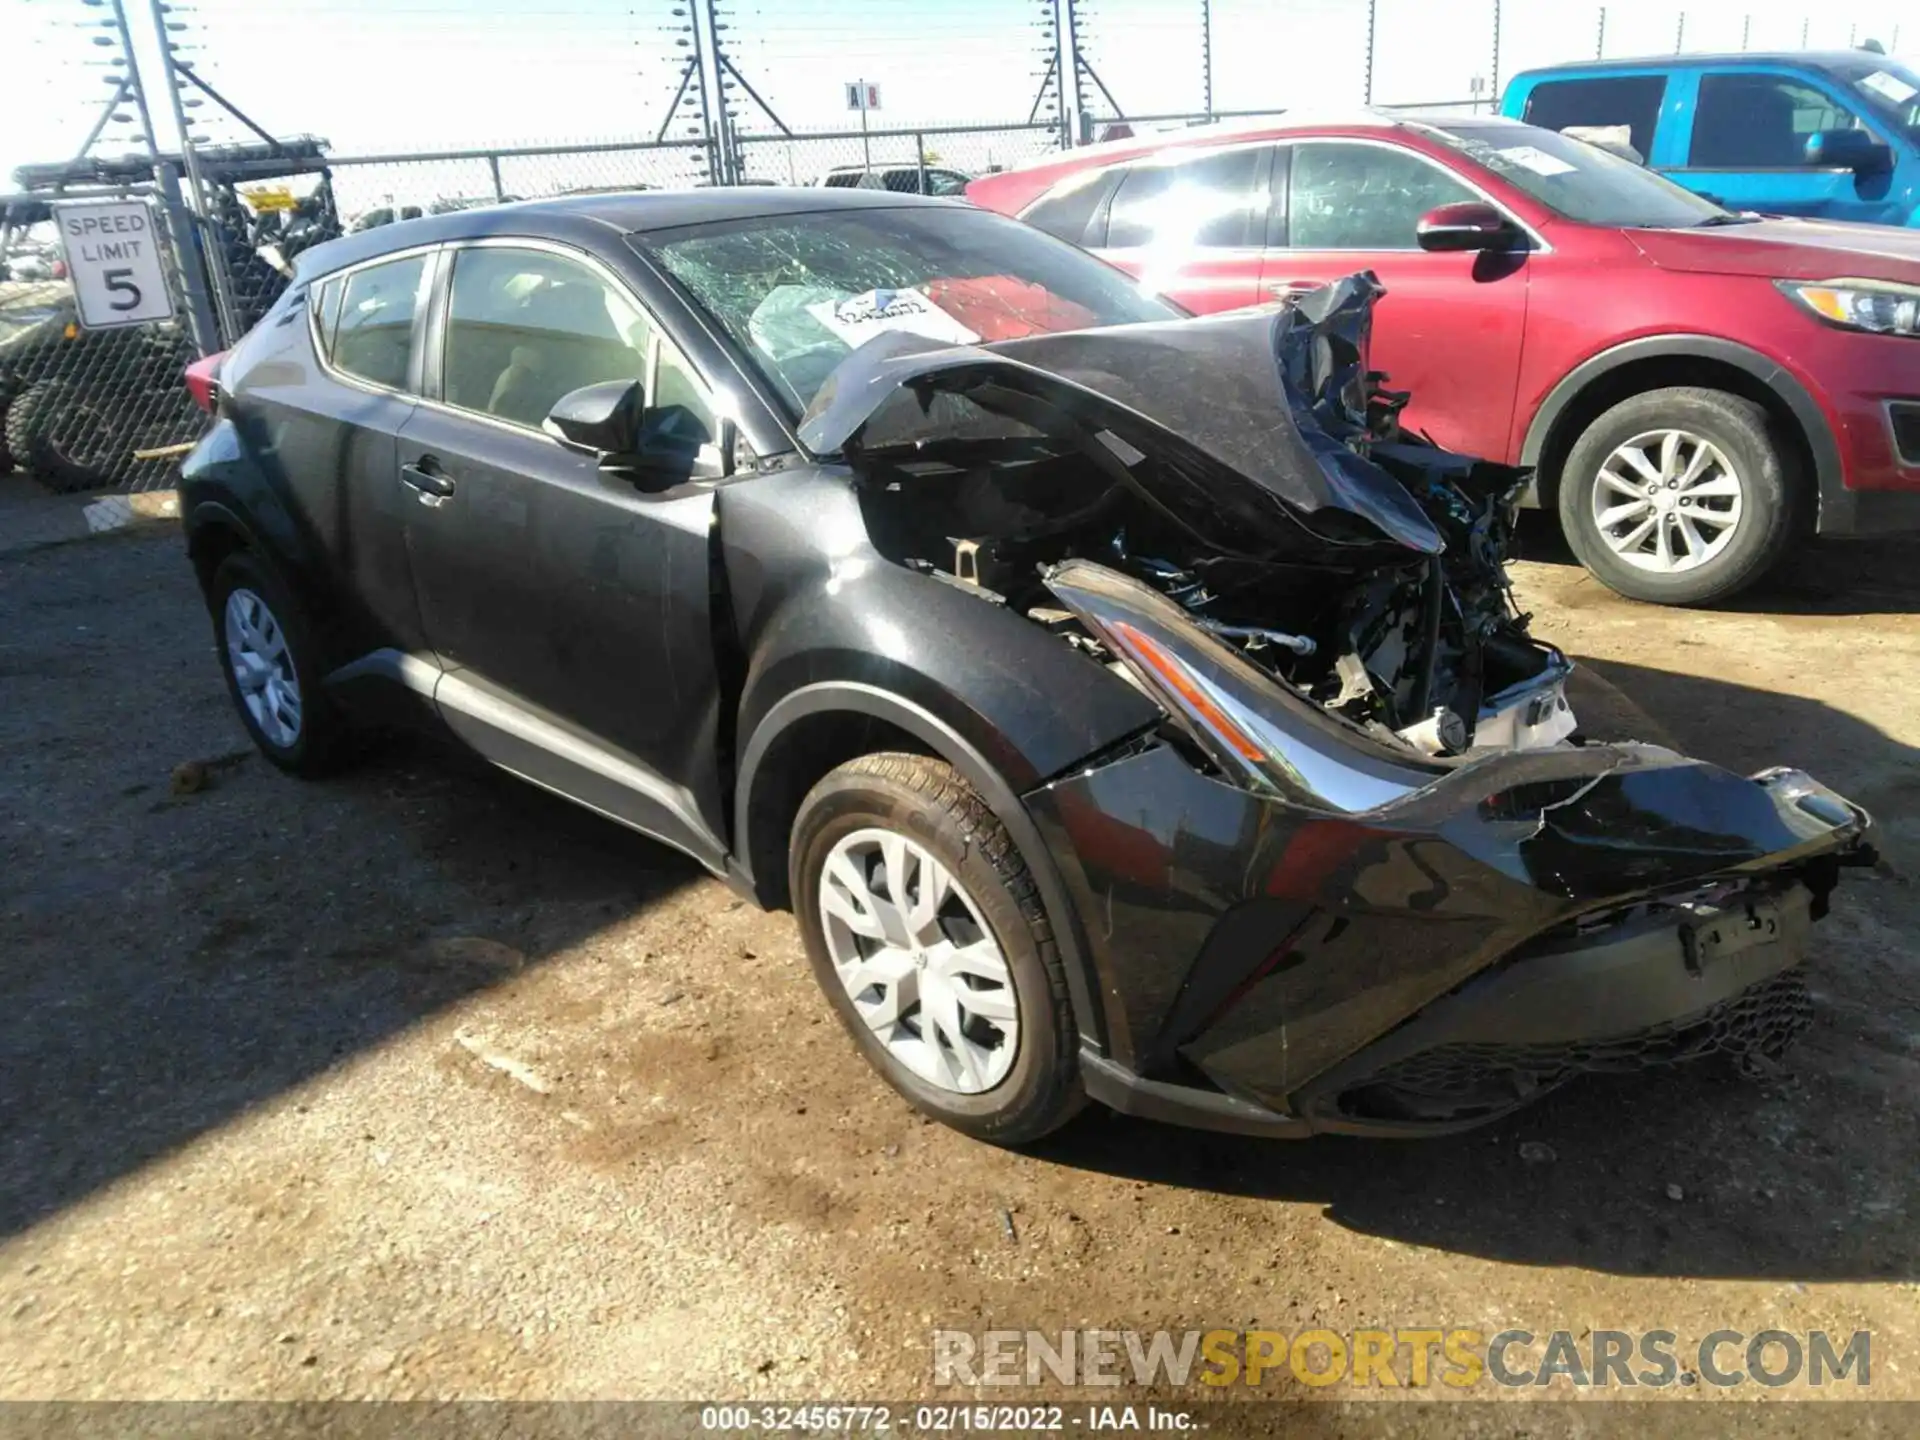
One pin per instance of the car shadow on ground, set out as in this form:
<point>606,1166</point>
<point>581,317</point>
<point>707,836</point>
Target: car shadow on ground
<point>1877,576</point>
<point>1805,1175</point>
<point>411,885</point>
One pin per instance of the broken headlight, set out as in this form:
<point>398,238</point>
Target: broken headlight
<point>1247,724</point>
<point>1881,307</point>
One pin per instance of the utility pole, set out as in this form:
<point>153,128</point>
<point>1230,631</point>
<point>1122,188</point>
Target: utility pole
<point>1070,71</point>
<point>1746,32</point>
<point>186,252</point>
<point>1373,8</point>
<point>1680,34</point>
<point>1206,54</point>
<point>1803,33</point>
<point>1600,41</point>
<point>1493,88</point>
<point>1067,71</point>
<point>223,305</point>
<point>715,114</point>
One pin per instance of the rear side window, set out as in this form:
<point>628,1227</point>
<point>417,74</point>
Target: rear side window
<point>1068,209</point>
<point>373,335</point>
<point>1630,100</point>
<point>1212,201</point>
<point>1744,120</point>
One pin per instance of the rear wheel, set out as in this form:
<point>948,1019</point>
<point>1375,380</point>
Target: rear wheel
<point>66,440</point>
<point>926,932</point>
<point>1679,496</point>
<point>268,655</point>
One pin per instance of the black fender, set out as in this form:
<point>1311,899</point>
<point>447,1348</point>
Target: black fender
<point>826,624</point>
<point>1836,501</point>
<point>223,486</point>
<point>850,697</point>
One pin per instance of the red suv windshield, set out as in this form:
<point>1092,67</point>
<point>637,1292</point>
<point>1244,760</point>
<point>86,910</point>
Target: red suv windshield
<point>1581,181</point>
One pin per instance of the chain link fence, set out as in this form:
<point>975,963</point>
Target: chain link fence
<point>85,409</point>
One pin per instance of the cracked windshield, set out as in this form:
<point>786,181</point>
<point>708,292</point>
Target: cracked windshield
<point>799,293</point>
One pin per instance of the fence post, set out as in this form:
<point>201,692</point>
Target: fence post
<point>493,169</point>
<point>1206,54</point>
<point>206,227</point>
<point>920,158</point>
<point>188,257</point>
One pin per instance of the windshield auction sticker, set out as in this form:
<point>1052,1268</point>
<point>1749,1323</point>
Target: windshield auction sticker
<point>859,318</point>
<point>1537,161</point>
<point>1891,86</point>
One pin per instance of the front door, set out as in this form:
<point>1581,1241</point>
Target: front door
<point>569,604</point>
<point>1190,225</point>
<point>1450,326</point>
<point>1748,150</point>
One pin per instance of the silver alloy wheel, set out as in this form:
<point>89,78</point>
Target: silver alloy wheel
<point>1667,501</point>
<point>924,972</point>
<point>263,667</point>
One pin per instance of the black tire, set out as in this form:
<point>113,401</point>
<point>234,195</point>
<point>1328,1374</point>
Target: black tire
<point>61,438</point>
<point>320,742</point>
<point>6,450</point>
<point>926,801</point>
<point>1770,506</point>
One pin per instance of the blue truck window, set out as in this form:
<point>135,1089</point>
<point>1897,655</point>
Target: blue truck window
<point>1749,121</point>
<point>1631,100</point>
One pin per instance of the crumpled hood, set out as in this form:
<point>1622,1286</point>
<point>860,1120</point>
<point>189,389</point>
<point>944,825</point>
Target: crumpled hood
<point>1256,416</point>
<point>1788,250</point>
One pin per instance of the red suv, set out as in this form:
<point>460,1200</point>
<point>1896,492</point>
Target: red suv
<point>1697,388</point>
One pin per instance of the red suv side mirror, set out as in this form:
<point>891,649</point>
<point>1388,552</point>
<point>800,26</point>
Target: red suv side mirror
<point>1465,225</point>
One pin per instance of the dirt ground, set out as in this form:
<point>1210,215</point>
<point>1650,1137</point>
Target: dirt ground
<point>422,1083</point>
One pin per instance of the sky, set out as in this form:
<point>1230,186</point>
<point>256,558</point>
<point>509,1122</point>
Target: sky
<point>387,75</point>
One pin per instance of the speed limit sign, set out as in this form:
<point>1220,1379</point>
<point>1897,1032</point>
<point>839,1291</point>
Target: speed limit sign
<point>113,251</point>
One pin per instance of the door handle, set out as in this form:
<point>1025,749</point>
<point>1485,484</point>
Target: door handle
<point>430,485</point>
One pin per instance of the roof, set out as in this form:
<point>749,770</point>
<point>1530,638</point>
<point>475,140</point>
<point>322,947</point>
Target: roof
<point>1805,59</point>
<point>1222,132</point>
<point>585,218</point>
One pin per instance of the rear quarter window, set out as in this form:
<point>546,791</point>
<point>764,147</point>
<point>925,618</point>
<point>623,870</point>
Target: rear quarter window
<point>325,306</point>
<point>1630,100</point>
<point>1067,211</point>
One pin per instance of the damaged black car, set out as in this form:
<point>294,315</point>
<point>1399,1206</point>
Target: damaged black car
<point>1124,703</point>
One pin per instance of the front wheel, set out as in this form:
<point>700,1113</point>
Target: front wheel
<point>1679,496</point>
<point>927,934</point>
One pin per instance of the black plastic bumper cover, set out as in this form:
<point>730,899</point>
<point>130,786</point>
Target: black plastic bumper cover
<point>1276,957</point>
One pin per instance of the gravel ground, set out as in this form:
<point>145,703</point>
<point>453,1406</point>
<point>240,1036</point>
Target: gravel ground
<point>422,1083</point>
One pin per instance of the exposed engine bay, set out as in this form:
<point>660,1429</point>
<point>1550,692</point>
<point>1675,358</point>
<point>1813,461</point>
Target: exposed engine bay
<point>1376,588</point>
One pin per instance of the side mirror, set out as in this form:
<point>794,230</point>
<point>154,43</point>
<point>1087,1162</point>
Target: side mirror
<point>602,420</point>
<point>1854,150</point>
<point>1465,225</point>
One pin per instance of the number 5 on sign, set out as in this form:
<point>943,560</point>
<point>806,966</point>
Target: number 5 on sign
<point>113,251</point>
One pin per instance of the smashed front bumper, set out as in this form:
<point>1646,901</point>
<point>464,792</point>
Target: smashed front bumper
<point>1443,959</point>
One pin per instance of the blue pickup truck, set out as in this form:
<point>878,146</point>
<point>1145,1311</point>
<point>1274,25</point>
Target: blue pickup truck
<point>1829,134</point>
